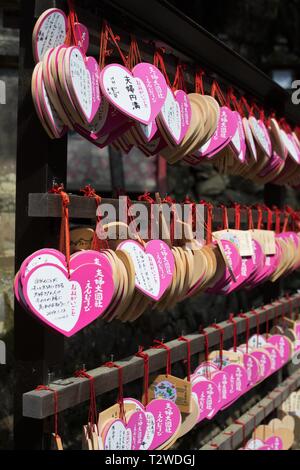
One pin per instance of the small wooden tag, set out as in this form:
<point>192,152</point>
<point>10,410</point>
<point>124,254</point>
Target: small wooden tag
<point>267,240</point>
<point>172,388</point>
<point>56,442</point>
<point>87,443</point>
<point>95,440</point>
<point>81,239</point>
<point>224,256</point>
<point>228,357</point>
<point>241,238</point>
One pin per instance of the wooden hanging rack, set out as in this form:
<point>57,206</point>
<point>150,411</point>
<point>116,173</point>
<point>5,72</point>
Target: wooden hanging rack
<point>73,391</point>
<point>233,436</point>
<point>49,205</point>
<point>40,160</point>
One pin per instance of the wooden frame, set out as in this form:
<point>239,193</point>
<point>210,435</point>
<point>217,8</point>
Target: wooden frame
<point>39,160</point>
<point>49,205</point>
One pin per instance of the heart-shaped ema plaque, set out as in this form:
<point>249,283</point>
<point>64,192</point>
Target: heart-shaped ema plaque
<point>49,31</point>
<point>139,94</point>
<point>82,78</point>
<point>154,266</point>
<point>68,303</point>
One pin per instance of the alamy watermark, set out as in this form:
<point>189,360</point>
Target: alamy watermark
<point>2,92</point>
<point>152,221</point>
<point>296,93</point>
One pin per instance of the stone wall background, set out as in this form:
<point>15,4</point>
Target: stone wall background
<point>95,345</point>
<point>9,50</point>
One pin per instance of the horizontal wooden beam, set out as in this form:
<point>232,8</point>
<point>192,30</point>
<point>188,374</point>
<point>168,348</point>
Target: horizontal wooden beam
<point>233,436</point>
<point>49,205</point>
<point>73,391</point>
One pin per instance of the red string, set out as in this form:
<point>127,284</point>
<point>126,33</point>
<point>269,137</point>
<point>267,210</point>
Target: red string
<point>179,80</point>
<point>210,216</point>
<point>145,357</point>
<point>213,444</point>
<point>71,37</point>
<point>134,55</point>
<point>105,36</point>
<point>260,112</point>
<point>160,344</point>
<point>245,103</point>
<point>64,238</point>
<point>188,356</point>
<point>285,125</point>
<point>237,215</point>
<point>224,217</point>
<point>269,217</point>
<point>97,243</point>
<point>115,40</point>
<point>272,115</point>
<point>250,218</point>
<point>146,197</point>
<point>233,322</point>
<point>216,92</point>
<point>158,61</point>
<point>206,344</point>
<point>120,392</point>
<point>294,216</point>
<point>209,222</point>
<point>93,406</point>
<point>231,98</point>
<point>285,221</point>
<point>199,88</point>
<point>247,319</point>
<point>103,45</point>
<point>55,404</point>
<point>257,321</point>
<point>260,216</point>
<point>277,219</point>
<point>218,327</point>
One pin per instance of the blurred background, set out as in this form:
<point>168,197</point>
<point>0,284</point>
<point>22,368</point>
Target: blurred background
<point>267,33</point>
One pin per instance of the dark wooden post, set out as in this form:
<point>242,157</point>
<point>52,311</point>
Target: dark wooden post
<point>39,160</point>
<point>162,181</point>
<point>116,170</point>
